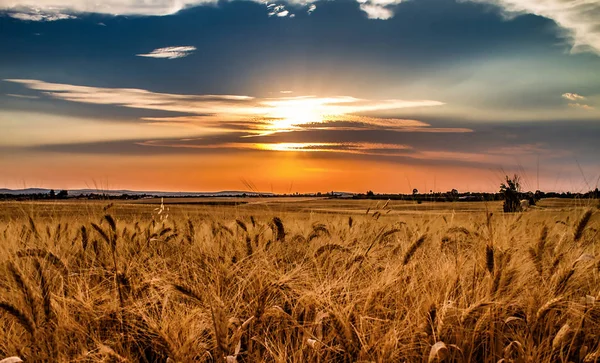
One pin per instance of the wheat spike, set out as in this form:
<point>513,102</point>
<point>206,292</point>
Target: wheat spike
<point>45,288</point>
<point>30,300</point>
<point>19,316</point>
<point>563,280</point>
<point>191,232</point>
<point>318,231</point>
<point>583,222</point>
<point>278,229</point>
<point>547,307</point>
<point>48,256</point>
<point>489,258</point>
<point>33,228</point>
<point>242,225</point>
<point>329,248</point>
<point>413,248</point>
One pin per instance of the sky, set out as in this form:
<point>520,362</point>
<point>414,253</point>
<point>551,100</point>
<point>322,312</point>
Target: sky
<point>300,95</point>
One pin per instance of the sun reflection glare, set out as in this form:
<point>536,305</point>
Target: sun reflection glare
<point>293,146</point>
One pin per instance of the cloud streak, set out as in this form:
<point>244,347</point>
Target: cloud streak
<point>23,96</point>
<point>581,105</point>
<point>382,151</point>
<point>283,124</point>
<point>40,16</point>
<point>275,114</point>
<point>363,148</point>
<point>170,52</point>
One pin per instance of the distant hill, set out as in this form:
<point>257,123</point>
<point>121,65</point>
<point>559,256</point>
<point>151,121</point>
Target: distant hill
<point>77,192</point>
<point>24,191</point>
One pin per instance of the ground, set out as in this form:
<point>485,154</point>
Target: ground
<point>297,280</point>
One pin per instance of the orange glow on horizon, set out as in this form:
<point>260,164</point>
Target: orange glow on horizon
<point>281,172</point>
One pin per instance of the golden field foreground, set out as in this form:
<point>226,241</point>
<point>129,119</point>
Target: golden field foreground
<point>284,280</point>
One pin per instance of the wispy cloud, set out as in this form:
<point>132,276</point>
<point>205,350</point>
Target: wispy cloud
<point>359,148</point>
<point>354,122</point>
<point>139,98</point>
<point>579,18</point>
<point>364,148</point>
<point>581,105</point>
<point>253,119</point>
<point>576,101</point>
<point>287,110</point>
<point>23,96</point>
<point>573,96</point>
<point>41,16</point>
<point>523,149</point>
<point>170,52</point>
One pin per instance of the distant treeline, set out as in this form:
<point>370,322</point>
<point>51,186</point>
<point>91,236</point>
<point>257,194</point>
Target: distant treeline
<point>450,196</point>
<point>63,194</point>
<point>454,196</point>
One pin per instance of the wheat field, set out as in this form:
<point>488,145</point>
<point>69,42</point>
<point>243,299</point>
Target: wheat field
<point>104,282</point>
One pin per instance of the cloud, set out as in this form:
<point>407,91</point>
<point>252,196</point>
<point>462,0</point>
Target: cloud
<point>23,96</point>
<point>364,148</point>
<point>580,19</point>
<point>489,146</point>
<point>402,152</point>
<point>581,105</point>
<point>170,52</point>
<point>294,110</point>
<point>37,16</point>
<point>49,10</point>
<point>377,9</point>
<point>353,122</point>
<point>257,120</point>
<point>111,7</point>
<point>573,96</point>
<point>338,123</point>
<point>141,99</point>
<point>523,149</point>
<point>278,10</point>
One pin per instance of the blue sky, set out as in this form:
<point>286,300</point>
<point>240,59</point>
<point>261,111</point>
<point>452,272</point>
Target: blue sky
<point>423,92</point>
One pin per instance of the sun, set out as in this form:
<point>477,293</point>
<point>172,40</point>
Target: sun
<point>289,118</point>
<point>288,114</point>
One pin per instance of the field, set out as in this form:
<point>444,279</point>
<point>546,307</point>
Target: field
<point>299,280</point>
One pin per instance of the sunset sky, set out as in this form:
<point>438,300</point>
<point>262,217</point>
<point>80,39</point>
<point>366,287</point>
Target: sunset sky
<point>299,96</point>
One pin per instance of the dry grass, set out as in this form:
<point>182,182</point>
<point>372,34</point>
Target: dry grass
<point>226,285</point>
